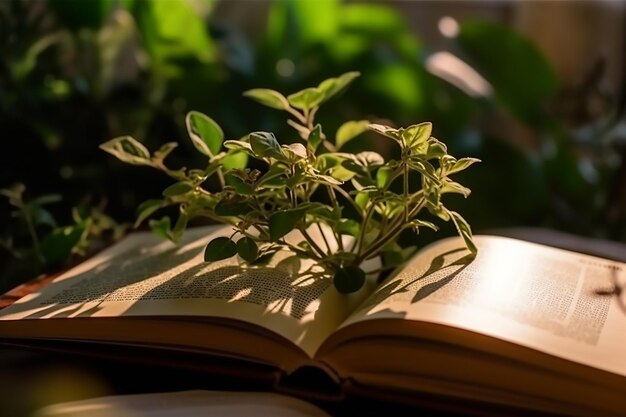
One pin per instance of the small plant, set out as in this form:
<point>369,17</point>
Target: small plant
<point>358,202</point>
<point>36,241</point>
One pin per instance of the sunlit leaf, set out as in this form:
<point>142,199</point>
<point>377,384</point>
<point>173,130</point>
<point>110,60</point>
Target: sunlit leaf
<point>127,149</point>
<point>416,135</point>
<point>294,151</point>
<point>390,132</point>
<point>350,130</point>
<point>206,135</point>
<point>315,137</point>
<point>332,86</point>
<point>349,227</point>
<point>462,164</point>
<point>219,248</point>
<point>172,31</point>
<point>306,99</point>
<point>436,148</point>
<point>455,187</point>
<point>238,145</point>
<point>464,231</point>
<point>384,175</point>
<point>235,160</point>
<point>268,98</point>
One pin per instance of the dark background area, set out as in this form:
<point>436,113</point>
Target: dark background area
<point>533,89</point>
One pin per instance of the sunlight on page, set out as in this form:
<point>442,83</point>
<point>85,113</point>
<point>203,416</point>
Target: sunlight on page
<point>145,276</point>
<point>532,295</point>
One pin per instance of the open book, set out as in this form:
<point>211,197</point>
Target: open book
<point>521,325</point>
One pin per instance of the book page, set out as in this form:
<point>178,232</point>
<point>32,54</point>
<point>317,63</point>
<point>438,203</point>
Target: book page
<point>146,276</point>
<point>532,295</point>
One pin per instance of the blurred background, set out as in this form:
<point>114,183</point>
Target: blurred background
<point>533,88</point>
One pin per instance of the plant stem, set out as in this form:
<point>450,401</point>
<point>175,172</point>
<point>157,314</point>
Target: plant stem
<point>333,199</point>
<point>347,196</point>
<point>319,227</point>
<point>366,219</point>
<point>312,242</point>
<point>395,231</point>
<point>33,234</point>
<point>297,115</point>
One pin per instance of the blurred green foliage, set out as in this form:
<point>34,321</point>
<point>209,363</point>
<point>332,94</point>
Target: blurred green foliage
<point>75,73</point>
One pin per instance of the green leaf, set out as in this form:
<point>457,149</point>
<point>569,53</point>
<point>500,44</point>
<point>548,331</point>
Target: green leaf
<point>179,227</point>
<point>394,258</point>
<point>306,99</point>
<point>235,160</point>
<point>384,175</point>
<point>436,148</point>
<point>283,222</point>
<point>462,164</point>
<point>238,145</point>
<point>239,185</point>
<point>247,249</point>
<point>219,248</point>
<point>162,153</point>
<point>206,135</point>
<point>57,246</point>
<point>350,130</point>
<point>455,187</point>
<point>349,227</point>
<point>332,86</point>
<point>269,98</point>
<point>464,230</point>
<point>231,208</point>
<point>416,224</point>
<point>42,216</point>
<point>361,199</point>
<point>390,132</point>
<point>525,93</point>
<point>315,137</point>
<point>291,265</point>
<point>265,258</point>
<point>265,145</point>
<point>273,178</point>
<point>128,149</point>
<point>294,151</point>
<point>176,38</point>
<point>161,227</point>
<point>416,135</point>
<point>178,188</point>
<point>349,279</point>
<point>147,208</point>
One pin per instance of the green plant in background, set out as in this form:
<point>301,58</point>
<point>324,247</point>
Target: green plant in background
<point>276,207</point>
<point>41,244</point>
